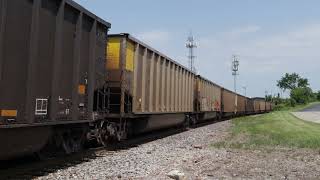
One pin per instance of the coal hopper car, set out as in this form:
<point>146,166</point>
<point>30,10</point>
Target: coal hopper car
<point>51,54</point>
<point>250,106</point>
<point>207,100</point>
<point>229,103</point>
<point>146,89</point>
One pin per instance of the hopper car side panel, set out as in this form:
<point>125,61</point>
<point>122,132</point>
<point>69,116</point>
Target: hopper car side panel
<point>51,54</point>
<point>145,88</point>
<point>207,99</point>
<point>256,106</point>
<point>250,106</point>
<point>268,106</point>
<point>262,106</point>
<point>208,95</point>
<point>13,58</point>
<point>228,102</point>
<point>241,108</point>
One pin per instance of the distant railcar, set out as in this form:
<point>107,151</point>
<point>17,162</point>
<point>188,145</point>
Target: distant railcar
<point>260,105</point>
<point>228,103</point>
<point>207,99</point>
<point>241,104</point>
<point>250,109</point>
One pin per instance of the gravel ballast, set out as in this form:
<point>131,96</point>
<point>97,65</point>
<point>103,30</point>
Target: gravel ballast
<point>191,155</point>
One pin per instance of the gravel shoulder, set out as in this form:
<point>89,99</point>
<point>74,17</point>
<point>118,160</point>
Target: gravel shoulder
<point>192,154</point>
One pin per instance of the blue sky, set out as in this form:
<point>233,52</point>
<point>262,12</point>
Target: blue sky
<point>271,37</point>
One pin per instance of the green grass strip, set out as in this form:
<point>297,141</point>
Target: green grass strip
<point>279,128</point>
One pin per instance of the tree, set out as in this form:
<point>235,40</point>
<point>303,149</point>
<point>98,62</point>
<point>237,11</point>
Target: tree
<point>318,96</point>
<point>292,81</point>
<point>301,95</point>
<point>303,82</point>
<point>268,98</point>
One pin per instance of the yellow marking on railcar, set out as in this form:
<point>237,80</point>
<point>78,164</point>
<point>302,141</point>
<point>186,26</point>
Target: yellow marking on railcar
<point>82,89</point>
<point>9,113</point>
<point>113,53</point>
<point>130,56</point>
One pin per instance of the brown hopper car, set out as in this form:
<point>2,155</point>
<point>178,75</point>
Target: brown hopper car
<point>228,102</point>
<point>51,54</point>
<point>241,104</point>
<point>207,99</point>
<point>250,106</point>
<point>152,91</point>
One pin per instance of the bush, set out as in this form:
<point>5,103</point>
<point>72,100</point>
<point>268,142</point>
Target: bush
<point>293,102</point>
<point>301,95</point>
<point>277,101</point>
<point>314,97</point>
<point>281,107</point>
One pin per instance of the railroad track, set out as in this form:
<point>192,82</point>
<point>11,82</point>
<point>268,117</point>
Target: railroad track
<point>31,167</point>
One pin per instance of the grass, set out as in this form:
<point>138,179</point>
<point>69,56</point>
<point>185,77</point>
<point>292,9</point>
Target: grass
<point>279,128</point>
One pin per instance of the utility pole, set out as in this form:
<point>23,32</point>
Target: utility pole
<point>266,94</point>
<point>245,90</point>
<point>235,69</point>
<point>191,45</point>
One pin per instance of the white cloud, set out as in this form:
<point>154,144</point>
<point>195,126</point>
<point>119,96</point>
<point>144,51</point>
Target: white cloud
<point>299,42</point>
<point>272,50</point>
<point>264,57</point>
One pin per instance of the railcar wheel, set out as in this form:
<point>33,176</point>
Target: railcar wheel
<point>107,133</point>
<point>103,137</point>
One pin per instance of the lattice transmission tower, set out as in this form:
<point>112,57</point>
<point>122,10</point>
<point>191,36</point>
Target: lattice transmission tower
<point>191,45</point>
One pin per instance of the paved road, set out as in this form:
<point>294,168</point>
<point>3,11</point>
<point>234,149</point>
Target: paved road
<point>309,114</point>
<point>315,108</point>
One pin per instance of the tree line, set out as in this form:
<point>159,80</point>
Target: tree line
<point>298,88</point>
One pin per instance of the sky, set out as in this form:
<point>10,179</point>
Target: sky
<point>270,37</point>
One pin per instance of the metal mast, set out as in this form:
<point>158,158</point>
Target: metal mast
<point>191,45</point>
<point>245,90</point>
<point>235,69</point>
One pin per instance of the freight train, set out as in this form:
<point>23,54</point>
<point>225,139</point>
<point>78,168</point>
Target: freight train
<point>64,81</point>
